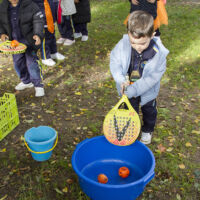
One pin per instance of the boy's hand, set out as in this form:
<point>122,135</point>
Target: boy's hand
<point>151,1</point>
<point>123,86</point>
<point>135,2</point>
<point>76,1</point>
<point>4,37</point>
<point>37,40</point>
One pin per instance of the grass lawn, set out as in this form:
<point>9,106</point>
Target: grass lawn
<point>79,93</point>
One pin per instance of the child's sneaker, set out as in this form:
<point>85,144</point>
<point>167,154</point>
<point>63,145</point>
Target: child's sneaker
<point>39,91</point>
<point>22,86</point>
<point>77,35</point>
<point>146,138</point>
<point>84,38</point>
<point>61,40</point>
<point>49,62</point>
<point>68,42</point>
<point>57,56</point>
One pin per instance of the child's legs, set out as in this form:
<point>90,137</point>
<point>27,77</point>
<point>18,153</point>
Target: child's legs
<point>81,28</point>
<point>149,112</point>
<point>52,44</point>
<point>69,28</point>
<point>19,61</point>
<point>63,28</point>
<point>35,71</point>
<point>84,30</point>
<point>47,47</point>
<point>135,103</point>
<point>77,28</point>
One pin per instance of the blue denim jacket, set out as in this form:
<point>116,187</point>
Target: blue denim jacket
<point>147,87</point>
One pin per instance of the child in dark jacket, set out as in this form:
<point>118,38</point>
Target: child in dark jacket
<point>81,18</point>
<point>49,48</point>
<point>149,6</point>
<point>23,21</point>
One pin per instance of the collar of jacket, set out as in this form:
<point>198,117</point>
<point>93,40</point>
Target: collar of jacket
<point>148,53</point>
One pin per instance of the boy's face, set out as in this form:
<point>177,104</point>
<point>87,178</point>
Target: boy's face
<point>14,2</point>
<point>139,44</point>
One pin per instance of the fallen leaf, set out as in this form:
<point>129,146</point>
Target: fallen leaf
<point>196,132</point>
<point>65,190</point>
<point>181,155</point>
<point>169,149</point>
<point>182,166</point>
<point>178,197</point>
<point>4,197</point>
<point>69,181</point>
<point>58,191</point>
<point>78,93</point>
<point>188,144</point>
<point>2,150</point>
<point>161,148</point>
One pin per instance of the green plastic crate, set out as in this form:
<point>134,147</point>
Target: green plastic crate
<point>9,117</point>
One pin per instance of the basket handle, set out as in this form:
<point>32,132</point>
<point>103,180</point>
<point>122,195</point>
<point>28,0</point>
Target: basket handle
<point>43,151</point>
<point>124,99</point>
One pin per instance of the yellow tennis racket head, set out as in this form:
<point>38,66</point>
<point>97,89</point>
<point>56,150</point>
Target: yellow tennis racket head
<point>122,126</point>
<point>6,48</point>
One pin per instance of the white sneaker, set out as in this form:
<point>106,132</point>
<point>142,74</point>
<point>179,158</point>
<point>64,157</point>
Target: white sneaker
<point>84,38</point>
<point>77,35</point>
<point>68,42</point>
<point>22,86</point>
<point>49,62</point>
<point>60,40</point>
<point>57,56</point>
<point>146,138</point>
<point>39,91</point>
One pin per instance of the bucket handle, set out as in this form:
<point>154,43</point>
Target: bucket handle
<point>149,177</point>
<point>43,151</point>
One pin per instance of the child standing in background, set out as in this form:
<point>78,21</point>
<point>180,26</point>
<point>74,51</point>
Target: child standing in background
<point>65,28</point>
<point>23,21</point>
<point>149,6</point>
<point>49,48</point>
<point>81,18</point>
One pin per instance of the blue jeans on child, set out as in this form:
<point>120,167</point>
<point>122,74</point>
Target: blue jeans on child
<point>149,112</point>
<point>27,67</point>
<point>48,45</point>
<point>81,28</point>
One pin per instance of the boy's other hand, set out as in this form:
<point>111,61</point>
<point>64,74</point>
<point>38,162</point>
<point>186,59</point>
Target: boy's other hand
<point>76,1</point>
<point>135,2</point>
<point>37,40</point>
<point>123,86</point>
<point>151,1</point>
<point>4,37</point>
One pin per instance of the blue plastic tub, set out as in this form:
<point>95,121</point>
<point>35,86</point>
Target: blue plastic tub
<point>40,140</point>
<point>95,156</point>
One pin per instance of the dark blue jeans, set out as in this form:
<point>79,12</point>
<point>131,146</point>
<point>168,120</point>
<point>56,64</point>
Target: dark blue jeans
<point>48,45</point>
<point>65,28</point>
<point>81,28</point>
<point>27,67</point>
<point>149,113</point>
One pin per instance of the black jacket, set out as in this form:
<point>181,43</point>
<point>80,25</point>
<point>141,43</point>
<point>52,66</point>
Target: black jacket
<point>144,5</point>
<point>40,4</point>
<point>83,14</point>
<point>31,21</point>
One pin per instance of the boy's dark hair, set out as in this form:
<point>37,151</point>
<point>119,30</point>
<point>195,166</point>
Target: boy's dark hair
<point>140,24</point>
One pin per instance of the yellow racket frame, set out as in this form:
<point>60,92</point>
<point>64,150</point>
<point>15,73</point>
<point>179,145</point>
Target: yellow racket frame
<point>122,117</point>
<point>8,43</point>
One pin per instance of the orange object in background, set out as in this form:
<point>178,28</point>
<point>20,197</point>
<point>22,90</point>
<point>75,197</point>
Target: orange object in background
<point>102,178</point>
<point>14,43</point>
<point>162,17</point>
<point>124,172</point>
